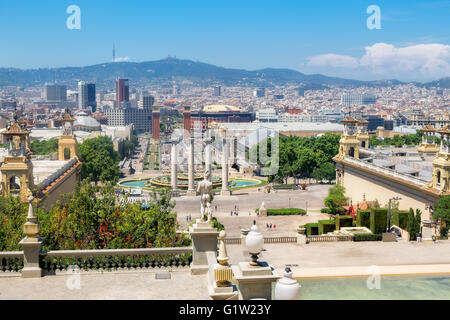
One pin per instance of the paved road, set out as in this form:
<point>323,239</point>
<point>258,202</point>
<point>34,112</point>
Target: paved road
<point>248,200</point>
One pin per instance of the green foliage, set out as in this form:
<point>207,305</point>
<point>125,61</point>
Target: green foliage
<point>217,224</point>
<point>378,220</point>
<point>128,146</point>
<point>92,218</point>
<point>300,157</point>
<point>367,237</point>
<point>13,215</point>
<point>363,218</point>
<point>326,226</point>
<point>336,200</point>
<point>325,210</point>
<point>286,212</point>
<point>344,222</point>
<point>100,160</point>
<point>413,224</point>
<point>326,172</point>
<point>442,213</point>
<point>397,140</point>
<point>400,219</point>
<point>312,229</point>
<point>44,147</point>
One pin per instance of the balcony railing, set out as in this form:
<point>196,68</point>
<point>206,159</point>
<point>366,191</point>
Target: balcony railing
<point>387,171</point>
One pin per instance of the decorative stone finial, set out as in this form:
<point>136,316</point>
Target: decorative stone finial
<point>222,258</point>
<point>223,275</point>
<point>31,228</point>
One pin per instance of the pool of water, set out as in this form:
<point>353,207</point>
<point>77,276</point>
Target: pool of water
<point>245,183</point>
<point>391,288</point>
<point>238,183</point>
<point>134,184</point>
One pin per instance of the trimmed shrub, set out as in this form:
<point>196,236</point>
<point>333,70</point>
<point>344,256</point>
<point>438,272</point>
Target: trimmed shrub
<point>367,237</point>
<point>363,218</point>
<point>378,220</point>
<point>326,226</point>
<point>400,219</point>
<point>286,212</point>
<point>325,210</point>
<point>312,229</point>
<point>344,222</point>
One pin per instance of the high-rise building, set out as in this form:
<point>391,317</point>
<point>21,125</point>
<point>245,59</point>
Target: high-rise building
<point>260,93</point>
<point>147,101</point>
<point>54,92</point>
<point>357,99</point>
<point>217,91</point>
<point>122,93</point>
<point>86,96</point>
<point>140,118</point>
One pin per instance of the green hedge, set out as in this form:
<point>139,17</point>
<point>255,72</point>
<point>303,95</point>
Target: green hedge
<point>344,222</point>
<point>326,226</point>
<point>325,210</point>
<point>378,220</point>
<point>399,218</point>
<point>286,212</point>
<point>363,218</point>
<point>367,237</point>
<point>312,229</point>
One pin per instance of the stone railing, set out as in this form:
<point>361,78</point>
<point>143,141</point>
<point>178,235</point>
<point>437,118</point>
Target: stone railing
<point>107,260</point>
<point>328,238</point>
<point>266,240</point>
<point>116,260</point>
<point>387,171</point>
<point>11,262</point>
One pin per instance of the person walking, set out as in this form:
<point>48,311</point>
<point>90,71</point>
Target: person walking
<point>274,227</point>
<point>231,213</point>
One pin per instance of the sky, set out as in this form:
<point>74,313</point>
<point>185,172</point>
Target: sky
<point>327,37</point>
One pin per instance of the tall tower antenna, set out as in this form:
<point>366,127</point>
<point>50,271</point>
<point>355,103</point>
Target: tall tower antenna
<point>114,53</point>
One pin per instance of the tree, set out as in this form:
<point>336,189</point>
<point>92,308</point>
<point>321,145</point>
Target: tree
<point>327,172</point>
<point>13,215</point>
<point>100,160</point>
<point>44,147</point>
<point>413,224</point>
<point>336,200</point>
<point>442,213</point>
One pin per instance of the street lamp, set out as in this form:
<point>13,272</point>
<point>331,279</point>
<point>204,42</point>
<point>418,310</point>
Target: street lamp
<point>254,243</point>
<point>390,200</point>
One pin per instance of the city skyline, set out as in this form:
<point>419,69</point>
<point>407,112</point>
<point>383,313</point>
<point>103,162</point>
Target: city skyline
<point>326,38</point>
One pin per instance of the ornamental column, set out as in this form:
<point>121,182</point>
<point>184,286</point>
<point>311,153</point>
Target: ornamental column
<point>174,171</point>
<point>208,162</point>
<point>191,170</point>
<point>31,245</point>
<point>225,187</point>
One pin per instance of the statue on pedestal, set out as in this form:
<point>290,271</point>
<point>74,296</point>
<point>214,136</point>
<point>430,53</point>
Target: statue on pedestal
<point>205,190</point>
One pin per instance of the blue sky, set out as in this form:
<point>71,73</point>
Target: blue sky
<point>238,34</point>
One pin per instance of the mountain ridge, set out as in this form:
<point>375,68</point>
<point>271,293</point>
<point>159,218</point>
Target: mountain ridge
<point>161,71</point>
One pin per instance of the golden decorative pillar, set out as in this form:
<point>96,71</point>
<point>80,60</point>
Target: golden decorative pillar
<point>67,140</point>
<point>349,144</point>
<point>441,165</point>
<point>17,168</point>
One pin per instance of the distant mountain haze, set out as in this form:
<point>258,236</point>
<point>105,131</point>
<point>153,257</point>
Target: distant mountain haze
<point>170,69</point>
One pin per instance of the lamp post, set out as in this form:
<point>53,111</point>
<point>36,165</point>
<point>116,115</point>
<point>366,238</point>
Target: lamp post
<point>287,288</point>
<point>306,207</point>
<point>389,221</point>
<point>254,242</point>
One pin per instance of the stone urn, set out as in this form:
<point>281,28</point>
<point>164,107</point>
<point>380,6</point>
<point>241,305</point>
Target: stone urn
<point>301,230</point>
<point>263,210</point>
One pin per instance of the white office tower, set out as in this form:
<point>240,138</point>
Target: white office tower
<point>82,95</point>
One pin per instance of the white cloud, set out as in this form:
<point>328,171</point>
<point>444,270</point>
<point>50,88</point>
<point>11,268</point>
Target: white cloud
<point>422,62</point>
<point>122,59</point>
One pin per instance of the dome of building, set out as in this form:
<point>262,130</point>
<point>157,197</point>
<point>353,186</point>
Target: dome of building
<point>85,122</point>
